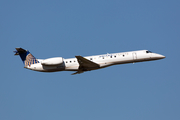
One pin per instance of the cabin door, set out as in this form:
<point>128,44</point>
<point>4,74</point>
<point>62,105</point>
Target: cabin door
<point>134,56</point>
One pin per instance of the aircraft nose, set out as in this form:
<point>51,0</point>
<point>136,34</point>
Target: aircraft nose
<point>158,56</point>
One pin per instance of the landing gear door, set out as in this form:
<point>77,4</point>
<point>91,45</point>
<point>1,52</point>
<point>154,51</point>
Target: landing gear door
<point>134,56</point>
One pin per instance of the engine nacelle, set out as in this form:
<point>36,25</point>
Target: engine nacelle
<point>52,61</point>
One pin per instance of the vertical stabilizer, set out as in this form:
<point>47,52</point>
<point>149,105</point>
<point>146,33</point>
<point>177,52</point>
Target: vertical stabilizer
<point>26,57</point>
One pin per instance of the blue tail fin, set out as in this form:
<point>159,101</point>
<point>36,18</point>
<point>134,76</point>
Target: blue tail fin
<point>26,57</point>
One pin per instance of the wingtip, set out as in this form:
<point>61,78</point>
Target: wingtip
<point>78,72</point>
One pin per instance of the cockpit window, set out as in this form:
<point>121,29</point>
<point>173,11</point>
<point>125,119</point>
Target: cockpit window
<point>148,52</point>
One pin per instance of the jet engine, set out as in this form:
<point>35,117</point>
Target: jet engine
<point>52,61</point>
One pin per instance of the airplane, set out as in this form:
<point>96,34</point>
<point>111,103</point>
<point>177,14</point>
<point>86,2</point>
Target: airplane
<point>82,64</point>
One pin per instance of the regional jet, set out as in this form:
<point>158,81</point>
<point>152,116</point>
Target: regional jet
<point>81,64</point>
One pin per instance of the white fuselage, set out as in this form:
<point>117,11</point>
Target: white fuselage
<point>104,60</point>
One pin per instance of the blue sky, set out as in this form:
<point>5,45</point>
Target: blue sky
<point>54,28</point>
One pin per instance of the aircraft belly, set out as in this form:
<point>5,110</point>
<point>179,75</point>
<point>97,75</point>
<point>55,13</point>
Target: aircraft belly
<point>115,62</point>
<point>43,68</point>
<point>72,68</point>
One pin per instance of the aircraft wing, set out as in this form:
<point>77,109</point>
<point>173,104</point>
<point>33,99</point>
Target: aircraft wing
<point>85,64</point>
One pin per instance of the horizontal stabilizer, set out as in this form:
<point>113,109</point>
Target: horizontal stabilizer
<point>19,51</point>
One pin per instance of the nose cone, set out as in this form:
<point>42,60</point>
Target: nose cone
<point>158,56</point>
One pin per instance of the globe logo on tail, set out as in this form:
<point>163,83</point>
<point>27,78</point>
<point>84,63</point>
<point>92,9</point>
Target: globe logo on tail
<point>30,59</point>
